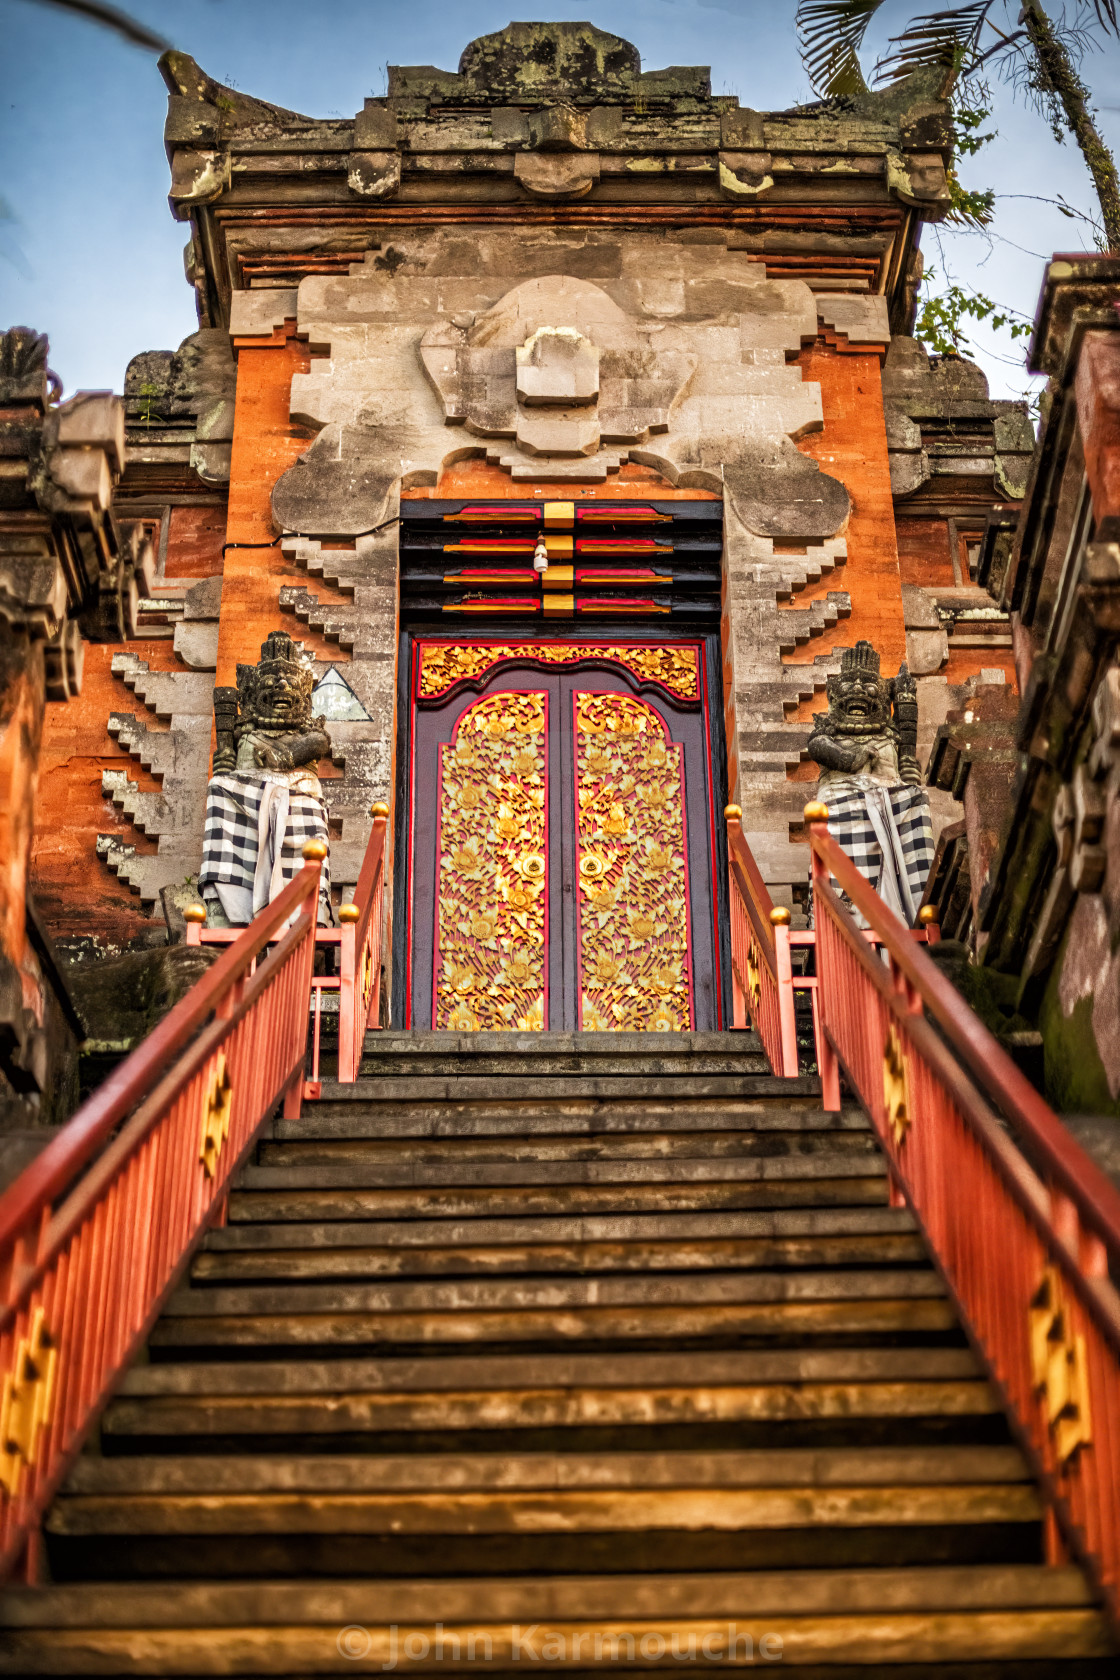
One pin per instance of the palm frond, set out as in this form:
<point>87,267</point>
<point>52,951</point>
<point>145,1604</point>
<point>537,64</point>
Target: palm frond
<point>831,33</point>
<point>947,38</point>
<point>1107,15</point>
<point>129,27</point>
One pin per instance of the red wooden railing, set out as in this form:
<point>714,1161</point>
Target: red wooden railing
<point>761,974</point>
<point>763,984</point>
<point>96,1232</point>
<point>1024,1227</point>
<point>358,941</point>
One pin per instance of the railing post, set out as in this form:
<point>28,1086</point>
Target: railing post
<point>349,916</point>
<point>1054,1548</point>
<point>816,815</point>
<point>379,811</point>
<point>733,817</point>
<point>314,852</point>
<point>195,917</point>
<point>787,1012</point>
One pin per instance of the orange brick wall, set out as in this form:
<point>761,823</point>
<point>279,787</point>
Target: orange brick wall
<point>923,553</point>
<point>194,542</point>
<point>853,448</point>
<point>21,711</point>
<point>264,446</point>
<point>969,662</point>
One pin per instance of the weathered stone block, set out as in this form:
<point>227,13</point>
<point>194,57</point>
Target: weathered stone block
<point>260,313</point>
<point>559,175</point>
<point>374,174</point>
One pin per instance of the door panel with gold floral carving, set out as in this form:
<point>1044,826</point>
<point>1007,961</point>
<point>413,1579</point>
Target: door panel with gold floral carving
<point>561,846</point>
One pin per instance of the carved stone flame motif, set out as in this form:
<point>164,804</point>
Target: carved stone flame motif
<point>491,930</point>
<point>634,946</point>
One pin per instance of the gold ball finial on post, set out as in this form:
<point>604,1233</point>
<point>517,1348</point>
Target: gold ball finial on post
<point>928,914</point>
<point>779,916</point>
<point>315,851</point>
<point>379,808</point>
<point>731,811</point>
<point>195,913</point>
<point>816,812</point>
<point>349,913</point>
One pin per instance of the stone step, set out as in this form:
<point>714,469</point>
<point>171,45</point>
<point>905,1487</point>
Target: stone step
<point>561,1294</point>
<point>365,1173</point>
<point>335,1604</point>
<point>295,1264</point>
<point>1044,1644</point>
<point>720,1225</point>
<point>561,1370</point>
<point>387,1118</point>
<point>501,1473</point>
<point>985,1621</point>
<point>861,1316</point>
<point>551,1511</point>
<point>486,1062</point>
<point>535,1090</point>
<point>304,1417</point>
<point>669,1055</point>
<point>542,1493</point>
<point>850,1187</point>
<point>358,1154</point>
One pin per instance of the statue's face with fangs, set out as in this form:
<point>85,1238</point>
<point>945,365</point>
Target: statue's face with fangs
<point>859,703</point>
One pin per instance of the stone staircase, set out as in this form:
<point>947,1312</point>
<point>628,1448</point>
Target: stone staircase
<point>585,1353</point>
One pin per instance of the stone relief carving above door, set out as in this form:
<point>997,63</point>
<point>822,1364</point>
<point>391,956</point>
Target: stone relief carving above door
<point>675,356</point>
<point>558,369</point>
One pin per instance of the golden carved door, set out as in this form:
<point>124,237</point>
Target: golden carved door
<point>561,839</point>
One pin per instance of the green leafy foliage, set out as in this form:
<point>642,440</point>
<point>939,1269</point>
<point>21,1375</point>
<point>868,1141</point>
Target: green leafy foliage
<point>942,316</point>
<point>950,38</point>
<point>970,207</point>
<point>831,33</point>
<point>967,119</point>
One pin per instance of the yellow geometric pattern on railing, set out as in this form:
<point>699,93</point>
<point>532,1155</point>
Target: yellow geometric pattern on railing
<point>1058,1367</point>
<point>215,1116</point>
<point>26,1401</point>
<point>896,1086</point>
<point>753,986</point>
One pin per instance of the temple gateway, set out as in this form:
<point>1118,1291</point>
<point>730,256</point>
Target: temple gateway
<point>569,421</point>
<point>559,978</point>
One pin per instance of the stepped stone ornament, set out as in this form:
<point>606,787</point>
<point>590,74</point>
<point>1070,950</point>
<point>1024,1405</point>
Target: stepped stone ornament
<point>866,746</point>
<point>264,800</point>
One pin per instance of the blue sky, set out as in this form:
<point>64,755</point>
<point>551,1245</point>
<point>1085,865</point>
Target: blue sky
<point>92,257</point>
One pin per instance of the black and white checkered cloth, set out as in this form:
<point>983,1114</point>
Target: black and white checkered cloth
<point>861,820</point>
<point>235,836</point>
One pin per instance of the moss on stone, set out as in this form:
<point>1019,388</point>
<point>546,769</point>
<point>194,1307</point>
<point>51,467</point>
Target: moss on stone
<point>1076,1082</point>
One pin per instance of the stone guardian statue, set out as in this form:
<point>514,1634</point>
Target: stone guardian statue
<point>866,745</point>
<point>264,800</point>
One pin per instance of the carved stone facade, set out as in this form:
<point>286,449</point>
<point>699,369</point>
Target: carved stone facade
<point>1041,782</point>
<point>69,572</point>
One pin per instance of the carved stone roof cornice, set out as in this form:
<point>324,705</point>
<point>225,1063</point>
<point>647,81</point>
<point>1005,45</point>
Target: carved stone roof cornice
<point>553,120</point>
